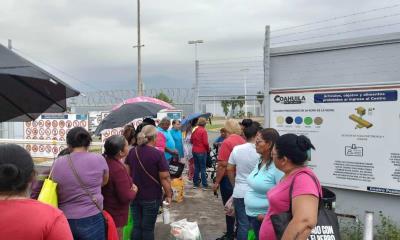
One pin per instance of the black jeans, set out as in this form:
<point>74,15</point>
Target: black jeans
<point>226,192</point>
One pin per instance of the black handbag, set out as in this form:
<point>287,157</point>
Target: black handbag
<point>327,223</point>
<point>176,168</point>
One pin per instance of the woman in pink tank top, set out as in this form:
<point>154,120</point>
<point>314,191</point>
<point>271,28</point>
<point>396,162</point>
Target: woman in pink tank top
<point>290,154</point>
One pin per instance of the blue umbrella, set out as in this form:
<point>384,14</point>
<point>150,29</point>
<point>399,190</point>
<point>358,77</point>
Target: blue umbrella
<point>192,116</point>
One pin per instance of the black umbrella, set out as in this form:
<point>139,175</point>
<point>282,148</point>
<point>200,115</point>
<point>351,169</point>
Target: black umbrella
<point>128,112</point>
<point>27,90</point>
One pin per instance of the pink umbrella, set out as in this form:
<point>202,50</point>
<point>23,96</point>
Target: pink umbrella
<point>144,99</point>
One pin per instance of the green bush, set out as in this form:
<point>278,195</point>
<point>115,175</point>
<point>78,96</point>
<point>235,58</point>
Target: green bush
<point>387,229</point>
<point>351,229</point>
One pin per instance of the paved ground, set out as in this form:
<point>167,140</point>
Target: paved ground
<point>200,206</point>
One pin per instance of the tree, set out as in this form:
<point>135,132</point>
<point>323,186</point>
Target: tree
<point>234,103</point>
<point>240,101</point>
<point>163,97</point>
<point>225,104</point>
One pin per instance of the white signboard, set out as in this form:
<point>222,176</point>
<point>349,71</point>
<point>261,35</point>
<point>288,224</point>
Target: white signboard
<point>95,118</point>
<point>356,132</point>
<point>51,127</point>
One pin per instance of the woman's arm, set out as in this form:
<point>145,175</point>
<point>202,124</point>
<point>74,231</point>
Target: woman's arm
<point>106,176</point>
<point>125,190</point>
<point>231,169</point>
<point>305,213</point>
<point>222,165</point>
<point>166,184</point>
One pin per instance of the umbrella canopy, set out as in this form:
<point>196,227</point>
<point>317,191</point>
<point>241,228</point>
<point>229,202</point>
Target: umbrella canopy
<point>144,99</point>
<point>128,112</point>
<point>27,90</point>
<point>192,116</point>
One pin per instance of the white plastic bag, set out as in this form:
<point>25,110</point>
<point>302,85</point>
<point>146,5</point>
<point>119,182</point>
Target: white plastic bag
<point>184,230</point>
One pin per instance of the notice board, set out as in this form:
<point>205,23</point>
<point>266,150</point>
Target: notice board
<point>356,132</point>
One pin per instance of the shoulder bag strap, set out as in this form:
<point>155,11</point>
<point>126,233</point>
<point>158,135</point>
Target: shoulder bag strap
<point>144,169</point>
<point>94,200</point>
<point>291,190</point>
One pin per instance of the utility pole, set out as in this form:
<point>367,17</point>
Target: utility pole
<point>139,46</point>
<point>196,67</point>
<point>267,77</point>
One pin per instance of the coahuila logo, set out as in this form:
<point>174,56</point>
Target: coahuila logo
<point>289,99</point>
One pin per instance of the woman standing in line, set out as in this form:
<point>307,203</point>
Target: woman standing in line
<point>150,173</point>
<point>241,162</point>
<point>177,136</point>
<point>119,191</point>
<point>21,217</point>
<point>290,154</point>
<point>199,140</point>
<point>222,181</point>
<point>84,216</point>
<point>263,177</point>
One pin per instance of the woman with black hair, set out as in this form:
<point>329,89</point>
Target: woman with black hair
<point>263,178</point>
<point>83,211</point>
<point>240,164</point>
<point>119,190</point>
<point>290,154</point>
<point>21,217</point>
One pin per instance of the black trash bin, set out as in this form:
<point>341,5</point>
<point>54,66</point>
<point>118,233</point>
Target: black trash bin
<point>328,199</point>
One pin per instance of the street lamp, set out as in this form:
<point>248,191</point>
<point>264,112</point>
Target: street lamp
<point>139,46</point>
<point>196,72</point>
<point>245,72</point>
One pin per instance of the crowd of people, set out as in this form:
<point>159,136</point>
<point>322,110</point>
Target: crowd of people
<point>256,168</point>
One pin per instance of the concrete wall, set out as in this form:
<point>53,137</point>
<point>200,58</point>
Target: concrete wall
<point>361,61</point>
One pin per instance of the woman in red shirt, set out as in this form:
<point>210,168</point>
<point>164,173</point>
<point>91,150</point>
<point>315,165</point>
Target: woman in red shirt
<point>21,217</point>
<point>222,181</point>
<point>200,148</point>
<point>119,190</point>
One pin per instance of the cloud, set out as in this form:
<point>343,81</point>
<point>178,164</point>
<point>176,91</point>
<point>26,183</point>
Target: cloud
<point>92,40</point>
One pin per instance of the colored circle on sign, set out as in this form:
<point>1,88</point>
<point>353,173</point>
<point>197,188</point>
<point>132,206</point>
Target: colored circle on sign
<point>280,120</point>
<point>298,120</point>
<point>289,120</point>
<point>318,120</point>
<point>308,120</point>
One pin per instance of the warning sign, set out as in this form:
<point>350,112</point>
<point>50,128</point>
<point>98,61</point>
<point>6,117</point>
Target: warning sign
<point>51,127</point>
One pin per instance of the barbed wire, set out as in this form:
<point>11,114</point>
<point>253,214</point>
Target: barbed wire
<point>337,18</point>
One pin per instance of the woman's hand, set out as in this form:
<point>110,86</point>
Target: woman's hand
<point>168,200</point>
<point>260,217</point>
<point>134,188</point>
<point>215,187</point>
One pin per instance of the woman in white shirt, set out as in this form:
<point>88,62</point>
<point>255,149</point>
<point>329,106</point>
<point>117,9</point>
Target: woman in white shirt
<point>241,162</point>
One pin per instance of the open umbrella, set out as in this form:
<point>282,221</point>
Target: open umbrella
<point>192,116</point>
<point>27,90</point>
<point>131,109</point>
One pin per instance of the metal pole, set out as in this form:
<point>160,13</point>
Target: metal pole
<point>266,77</point>
<point>197,100</point>
<point>369,226</point>
<point>139,66</point>
<point>245,94</point>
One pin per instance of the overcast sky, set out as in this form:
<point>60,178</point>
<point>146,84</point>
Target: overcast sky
<point>92,39</point>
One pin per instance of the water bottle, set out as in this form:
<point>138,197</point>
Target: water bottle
<point>166,214</point>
